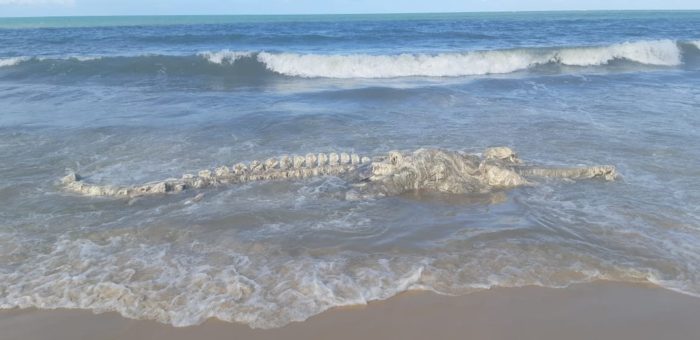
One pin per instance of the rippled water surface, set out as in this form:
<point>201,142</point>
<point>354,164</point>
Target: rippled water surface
<point>131,100</point>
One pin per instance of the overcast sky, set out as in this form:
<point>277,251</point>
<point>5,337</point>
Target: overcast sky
<point>153,7</point>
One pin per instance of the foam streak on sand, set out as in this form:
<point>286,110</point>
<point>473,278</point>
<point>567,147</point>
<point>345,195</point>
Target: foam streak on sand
<point>601,310</point>
<point>157,283</point>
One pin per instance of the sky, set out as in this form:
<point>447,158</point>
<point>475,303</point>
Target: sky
<point>166,7</point>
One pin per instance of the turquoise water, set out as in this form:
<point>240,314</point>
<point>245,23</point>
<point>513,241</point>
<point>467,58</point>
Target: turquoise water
<point>127,100</point>
<point>107,21</point>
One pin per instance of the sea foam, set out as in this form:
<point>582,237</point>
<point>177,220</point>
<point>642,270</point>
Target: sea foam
<point>661,52</point>
<point>6,62</point>
<point>655,53</point>
<point>12,61</point>
<point>182,287</point>
<point>224,56</point>
<point>453,64</point>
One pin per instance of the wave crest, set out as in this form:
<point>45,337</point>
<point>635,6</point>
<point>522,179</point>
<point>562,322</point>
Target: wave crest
<point>12,61</point>
<point>660,52</point>
<point>657,53</point>
<point>224,56</point>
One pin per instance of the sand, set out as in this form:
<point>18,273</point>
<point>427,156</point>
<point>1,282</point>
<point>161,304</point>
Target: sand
<point>602,310</point>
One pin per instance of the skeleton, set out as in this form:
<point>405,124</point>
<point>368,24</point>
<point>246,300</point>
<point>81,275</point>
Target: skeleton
<point>397,172</point>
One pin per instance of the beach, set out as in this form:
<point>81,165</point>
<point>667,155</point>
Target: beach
<point>349,176</point>
<point>601,310</point>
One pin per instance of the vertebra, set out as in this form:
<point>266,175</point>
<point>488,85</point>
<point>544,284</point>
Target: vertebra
<point>424,169</point>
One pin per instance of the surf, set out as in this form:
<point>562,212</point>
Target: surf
<point>649,54</point>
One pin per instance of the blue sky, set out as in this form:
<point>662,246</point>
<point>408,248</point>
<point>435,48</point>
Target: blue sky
<point>152,7</point>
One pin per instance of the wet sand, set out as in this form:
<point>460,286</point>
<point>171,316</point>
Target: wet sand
<point>603,310</point>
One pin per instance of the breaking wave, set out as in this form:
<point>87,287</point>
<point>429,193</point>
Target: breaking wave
<point>656,53</point>
<point>224,56</point>
<point>12,61</point>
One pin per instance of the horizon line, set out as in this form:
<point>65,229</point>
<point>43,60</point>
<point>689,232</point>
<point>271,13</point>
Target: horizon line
<point>348,14</point>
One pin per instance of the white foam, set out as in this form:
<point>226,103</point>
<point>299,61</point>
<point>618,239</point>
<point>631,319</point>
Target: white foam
<point>660,53</point>
<point>656,52</point>
<point>223,56</point>
<point>12,61</point>
<point>6,62</point>
<point>183,281</point>
<point>70,57</point>
<point>402,65</point>
<point>114,274</point>
<point>85,58</point>
<point>696,43</point>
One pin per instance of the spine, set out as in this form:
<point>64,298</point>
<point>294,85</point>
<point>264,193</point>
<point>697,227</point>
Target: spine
<point>285,167</point>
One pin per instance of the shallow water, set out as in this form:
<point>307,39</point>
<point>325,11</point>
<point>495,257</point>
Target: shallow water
<point>132,100</point>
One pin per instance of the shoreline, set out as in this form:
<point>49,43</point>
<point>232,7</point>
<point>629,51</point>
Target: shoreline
<point>599,310</point>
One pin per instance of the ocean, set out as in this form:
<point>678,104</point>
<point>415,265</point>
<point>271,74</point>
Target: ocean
<point>128,100</point>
